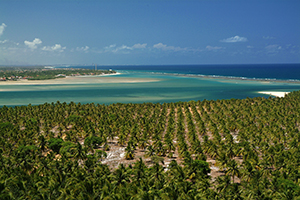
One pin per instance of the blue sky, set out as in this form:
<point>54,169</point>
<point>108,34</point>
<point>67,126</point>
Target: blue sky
<point>143,32</point>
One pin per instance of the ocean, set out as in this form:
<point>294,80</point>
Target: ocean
<point>175,83</point>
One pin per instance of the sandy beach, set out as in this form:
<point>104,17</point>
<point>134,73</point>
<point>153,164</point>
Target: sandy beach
<point>273,93</point>
<point>80,80</point>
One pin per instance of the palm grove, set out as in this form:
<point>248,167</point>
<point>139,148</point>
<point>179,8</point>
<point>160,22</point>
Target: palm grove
<point>59,150</point>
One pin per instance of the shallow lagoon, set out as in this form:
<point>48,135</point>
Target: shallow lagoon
<point>162,88</point>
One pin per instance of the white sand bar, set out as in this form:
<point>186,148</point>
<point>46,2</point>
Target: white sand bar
<point>80,80</point>
<point>276,94</point>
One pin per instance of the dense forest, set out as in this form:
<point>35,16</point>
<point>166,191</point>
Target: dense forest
<point>223,149</point>
<point>42,73</point>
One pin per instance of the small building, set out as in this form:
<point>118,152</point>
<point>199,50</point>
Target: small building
<point>60,75</point>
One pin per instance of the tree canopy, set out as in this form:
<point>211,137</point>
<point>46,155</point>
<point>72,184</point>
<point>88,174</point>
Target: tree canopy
<point>224,149</point>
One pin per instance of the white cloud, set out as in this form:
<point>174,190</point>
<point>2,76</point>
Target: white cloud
<point>2,27</point>
<point>56,47</point>
<point>268,38</point>
<point>139,46</point>
<point>168,48</point>
<point>3,41</point>
<point>235,39</point>
<point>211,48</point>
<point>85,49</point>
<point>33,45</point>
<point>274,48</point>
<point>160,46</point>
<point>9,42</point>
<point>110,47</point>
<point>113,48</point>
<point>123,47</point>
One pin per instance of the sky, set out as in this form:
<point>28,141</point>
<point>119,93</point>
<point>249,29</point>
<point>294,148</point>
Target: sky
<point>149,32</point>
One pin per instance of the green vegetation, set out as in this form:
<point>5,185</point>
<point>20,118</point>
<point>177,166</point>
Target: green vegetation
<point>224,149</point>
<point>39,73</point>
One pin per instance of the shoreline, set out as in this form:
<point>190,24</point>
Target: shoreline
<point>76,80</point>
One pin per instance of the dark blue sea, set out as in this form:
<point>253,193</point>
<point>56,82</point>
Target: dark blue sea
<point>159,84</point>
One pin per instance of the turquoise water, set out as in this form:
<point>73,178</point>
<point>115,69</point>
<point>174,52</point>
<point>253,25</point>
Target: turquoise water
<point>251,71</point>
<point>169,88</point>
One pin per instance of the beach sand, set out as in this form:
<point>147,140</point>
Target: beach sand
<point>80,80</point>
<point>276,94</point>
